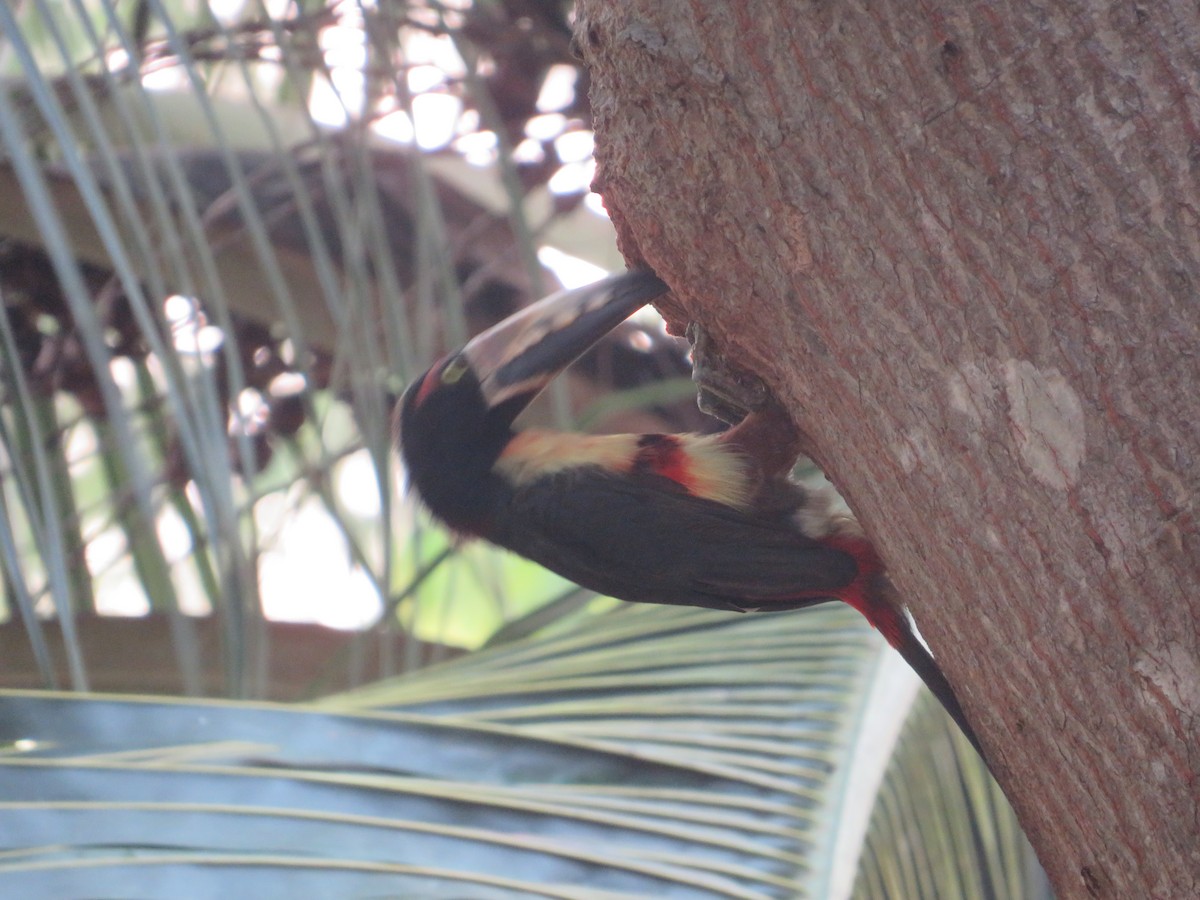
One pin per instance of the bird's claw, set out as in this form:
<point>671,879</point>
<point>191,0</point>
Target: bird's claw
<point>723,390</point>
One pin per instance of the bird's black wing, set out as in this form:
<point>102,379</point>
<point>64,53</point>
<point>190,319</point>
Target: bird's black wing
<point>645,539</point>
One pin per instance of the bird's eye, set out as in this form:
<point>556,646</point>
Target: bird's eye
<point>454,370</point>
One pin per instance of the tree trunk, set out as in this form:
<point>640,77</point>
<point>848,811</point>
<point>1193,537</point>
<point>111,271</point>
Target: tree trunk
<point>959,242</point>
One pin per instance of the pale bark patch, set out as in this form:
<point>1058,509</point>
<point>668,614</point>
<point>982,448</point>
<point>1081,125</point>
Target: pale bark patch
<point>1046,419</point>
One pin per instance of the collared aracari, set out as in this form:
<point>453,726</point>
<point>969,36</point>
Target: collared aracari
<point>657,518</point>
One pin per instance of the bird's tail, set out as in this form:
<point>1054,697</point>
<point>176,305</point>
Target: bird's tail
<point>894,625</point>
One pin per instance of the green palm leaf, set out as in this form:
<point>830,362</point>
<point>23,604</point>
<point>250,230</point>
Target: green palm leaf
<point>644,752</point>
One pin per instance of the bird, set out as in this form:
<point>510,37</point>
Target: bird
<point>684,519</point>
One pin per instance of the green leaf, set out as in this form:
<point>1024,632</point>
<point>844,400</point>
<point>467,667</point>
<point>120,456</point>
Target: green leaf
<point>645,752</point>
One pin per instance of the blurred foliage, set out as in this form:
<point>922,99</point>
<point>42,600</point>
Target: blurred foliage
<point>228,238</point>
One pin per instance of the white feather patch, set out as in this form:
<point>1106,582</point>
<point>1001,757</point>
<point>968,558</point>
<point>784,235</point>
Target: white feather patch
<point>715,471</point>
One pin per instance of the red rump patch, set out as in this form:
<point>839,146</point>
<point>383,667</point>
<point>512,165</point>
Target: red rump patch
<point>663,454</point>
<point>863,593</point>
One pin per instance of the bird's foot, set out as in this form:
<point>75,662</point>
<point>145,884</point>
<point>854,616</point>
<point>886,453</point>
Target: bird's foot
<point>723,390</point>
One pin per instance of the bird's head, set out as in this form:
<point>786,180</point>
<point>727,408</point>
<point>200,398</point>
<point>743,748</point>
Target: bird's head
<point>455,420</point>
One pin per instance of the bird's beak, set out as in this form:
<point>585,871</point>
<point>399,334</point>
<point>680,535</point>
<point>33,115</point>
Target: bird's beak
<point>521,355</point>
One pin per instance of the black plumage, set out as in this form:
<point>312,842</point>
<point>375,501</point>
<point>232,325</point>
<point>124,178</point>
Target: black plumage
<point>641,537</point>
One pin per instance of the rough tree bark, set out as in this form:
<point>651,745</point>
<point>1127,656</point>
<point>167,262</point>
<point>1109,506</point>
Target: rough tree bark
<point>960,243</point>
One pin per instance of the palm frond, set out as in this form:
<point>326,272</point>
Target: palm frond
<point>644,752</point>
<point>941,827</point>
